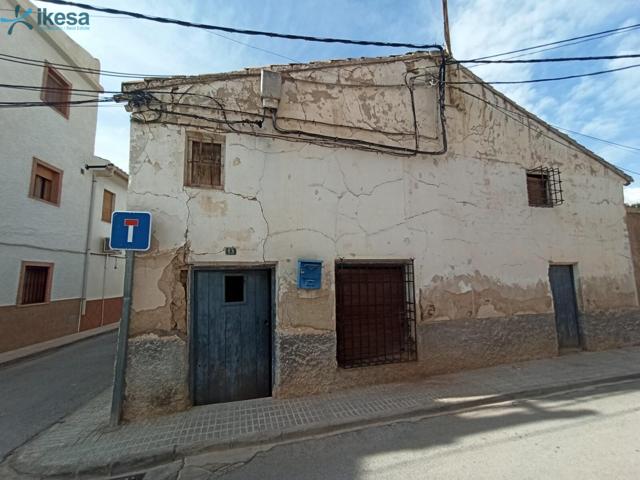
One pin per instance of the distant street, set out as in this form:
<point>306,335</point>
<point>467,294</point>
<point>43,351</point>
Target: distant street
<point>37,392</point>
<point>584,434</point>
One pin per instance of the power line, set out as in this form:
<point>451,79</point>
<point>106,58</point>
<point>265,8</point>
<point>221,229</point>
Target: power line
<point>557,46</point>
<point>627,147</point>
<point>507,113</point>
<point>62,89</point>
<point>581,37</point>
<point>552,59</point>
<point>4,104</point>
<point>88,91</point>
<point>73,68</point>
<point>211,32</point>
<point>90,102</point>
<point>254,47</point>
<point>183,23</point>
<point>549,79</point>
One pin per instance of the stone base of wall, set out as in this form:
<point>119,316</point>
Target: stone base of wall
<point>157,371</point>
<point>610,329</point>
<point>450,346</point>
<point>22,325</point>
<point>307,361</point>
<point>156,380</point>
<point>101,312</point>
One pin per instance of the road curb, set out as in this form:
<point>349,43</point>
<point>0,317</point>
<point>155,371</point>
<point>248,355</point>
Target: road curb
<point>274,438</point>
<point>30,351</point>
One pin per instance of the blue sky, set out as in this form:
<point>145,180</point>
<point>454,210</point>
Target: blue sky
<point>606,106</point>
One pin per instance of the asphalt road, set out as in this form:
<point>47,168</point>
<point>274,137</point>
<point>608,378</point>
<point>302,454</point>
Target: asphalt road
<point>585,434</point>
<point>37,392</point>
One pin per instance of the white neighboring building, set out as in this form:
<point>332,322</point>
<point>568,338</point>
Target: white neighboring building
<point>45,192</point>
<point>105,273</point>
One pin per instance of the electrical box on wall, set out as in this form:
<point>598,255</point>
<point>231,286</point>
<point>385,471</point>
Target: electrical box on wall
<point>309,274</point>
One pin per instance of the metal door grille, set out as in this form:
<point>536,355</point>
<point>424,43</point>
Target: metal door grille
<point>375,313</point>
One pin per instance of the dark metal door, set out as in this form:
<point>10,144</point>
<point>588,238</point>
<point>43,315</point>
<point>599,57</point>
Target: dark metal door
<point>564,304</point>
<point>375,319</point>
<point>231,335</point>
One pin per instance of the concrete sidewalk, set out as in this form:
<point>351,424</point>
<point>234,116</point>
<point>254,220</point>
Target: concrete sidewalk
<point>43,347</point>
<point>84,444</point>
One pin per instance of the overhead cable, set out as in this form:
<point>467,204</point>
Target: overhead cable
<point>552,48</point>
<point>539,80</point>
<point>516,116</point>
<point>49,104</point>
<point>609,142</point>
<point>581,37</point>
<point>204,26</point>
<point>552,59</point>
<point>63,66</point>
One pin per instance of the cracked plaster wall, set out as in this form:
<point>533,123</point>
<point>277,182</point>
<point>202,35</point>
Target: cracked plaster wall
<point>481,252</point>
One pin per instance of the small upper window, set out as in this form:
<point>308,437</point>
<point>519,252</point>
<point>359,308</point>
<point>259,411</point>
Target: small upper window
<point>46,182</point>
<point>35,283</point>
<point>544,187</point>
<point>56,91</point>
<point>108,205</point>
<point>233,288</point>
<point>204,162</point>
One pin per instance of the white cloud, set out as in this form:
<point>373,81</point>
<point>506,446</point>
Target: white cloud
<point>631,195</point>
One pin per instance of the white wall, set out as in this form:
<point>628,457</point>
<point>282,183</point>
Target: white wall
<point>44,133</point>
<point>106,271</point>
<point>480,250</point>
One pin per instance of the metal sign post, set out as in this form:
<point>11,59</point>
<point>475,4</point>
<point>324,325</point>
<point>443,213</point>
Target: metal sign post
<point>130,231</point>
<point>123,337</point>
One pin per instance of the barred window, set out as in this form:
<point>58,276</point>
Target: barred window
<point>375,313</point>
<point>204,162</point>
<point>544,187</point>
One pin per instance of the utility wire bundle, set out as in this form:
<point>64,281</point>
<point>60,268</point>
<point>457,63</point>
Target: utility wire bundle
<point>476,62</point>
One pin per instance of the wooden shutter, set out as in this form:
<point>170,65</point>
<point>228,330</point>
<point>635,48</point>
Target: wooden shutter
<point>57,91</point>
<point>35,284</point>
<point>45,183</point>
<point>108,204</point>
<point>204,167</point>
<point>537,190</point>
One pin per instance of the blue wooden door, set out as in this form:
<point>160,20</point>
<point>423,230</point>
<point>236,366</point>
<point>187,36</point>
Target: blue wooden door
<point>564,304</point>
<point>231,335</point>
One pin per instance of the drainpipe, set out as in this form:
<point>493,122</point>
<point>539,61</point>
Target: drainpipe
<point>104,281</point>
<point>87,246</point>
<point>87,251</point>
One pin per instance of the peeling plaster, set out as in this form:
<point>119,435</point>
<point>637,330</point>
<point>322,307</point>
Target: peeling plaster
<point>481,253</point>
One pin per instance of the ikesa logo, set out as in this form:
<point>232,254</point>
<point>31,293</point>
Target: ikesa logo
<point>59,19</point>
<point>47,19</point>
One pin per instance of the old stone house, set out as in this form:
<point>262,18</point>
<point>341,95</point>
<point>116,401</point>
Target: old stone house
<point>326,225</point>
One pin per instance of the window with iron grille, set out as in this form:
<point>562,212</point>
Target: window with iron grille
<point>46,182</point>
<point>56,91</point>
<point>108,205</point>
<point>35,283</point>
<point>375,313</point>
<point>544,187</point>
<point>204,161</point>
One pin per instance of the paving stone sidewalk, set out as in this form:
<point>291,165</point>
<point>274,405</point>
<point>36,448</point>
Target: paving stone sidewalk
<point>83,442</point>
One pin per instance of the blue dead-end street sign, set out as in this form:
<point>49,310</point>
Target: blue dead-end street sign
<point>130,231</point>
